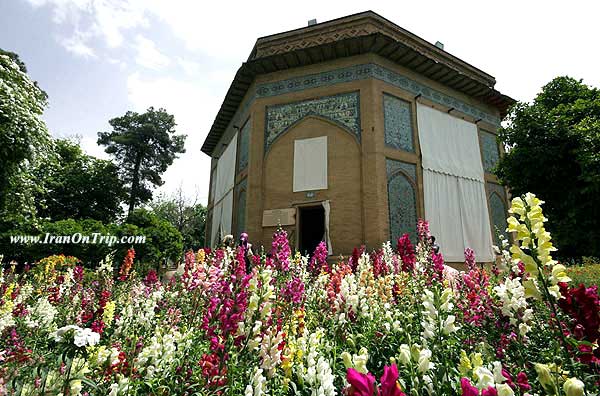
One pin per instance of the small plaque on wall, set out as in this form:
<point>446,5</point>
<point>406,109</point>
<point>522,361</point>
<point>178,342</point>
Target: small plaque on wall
<point>275,217</point>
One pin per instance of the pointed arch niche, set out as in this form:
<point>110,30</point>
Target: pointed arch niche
<point>402,198</point>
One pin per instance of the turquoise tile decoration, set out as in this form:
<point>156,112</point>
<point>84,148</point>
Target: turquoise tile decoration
<point>397,123</point>
<point>499,213</point>
<point>402,199</point>
<point>244,144</point>
<point>366,71</point>
<point>489,149</point>
<point>240,208</point>
<point>342,109</point>
<point>498,209</point>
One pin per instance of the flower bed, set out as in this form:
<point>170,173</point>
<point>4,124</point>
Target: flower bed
<point>389,322</point>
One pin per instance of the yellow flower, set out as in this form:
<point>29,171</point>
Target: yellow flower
<point>109,313</point>
<point>517,206</point>
<point>532,200</point>
<point>465,364</point>
<point>476,360</point>
<point>531,289</point>
<point>559,274</point>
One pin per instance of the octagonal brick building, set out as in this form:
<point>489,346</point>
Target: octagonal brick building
<point>350,130</point>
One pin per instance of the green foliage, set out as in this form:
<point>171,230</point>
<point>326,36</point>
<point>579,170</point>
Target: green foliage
<point>163,241</point>
<point>144,146</point>
<point>555,150</point>
<point>23,136</point>
<point>79,186</point>
<point>188,218</point>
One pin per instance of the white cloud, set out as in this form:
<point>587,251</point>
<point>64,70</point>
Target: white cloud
<point>193,108</point>
<point>148,55</point>
<point>189,67</point>
<point>77,45</point>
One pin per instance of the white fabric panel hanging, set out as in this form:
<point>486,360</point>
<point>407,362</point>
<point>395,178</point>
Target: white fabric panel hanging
<point>310,164</point>
<point>453,182</point>
<point>327,209</point>
<point>216,221</point>
<point>475,219</point>
<point>448,144</point>
<point>226,170</point>
<point>226,213</point>
<point>442,210</point>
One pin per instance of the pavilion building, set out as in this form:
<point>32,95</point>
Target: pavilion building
<point>350,130</point>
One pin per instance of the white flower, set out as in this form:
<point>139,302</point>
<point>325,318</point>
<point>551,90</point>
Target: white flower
<point>504,390</point>
<point>58,335</point>
<point>485,378</point>
<point>85,337</point>
<point>424,363</point>
<point>449,326</point>
<point>404,356</point>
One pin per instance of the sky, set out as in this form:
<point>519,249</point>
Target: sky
<point>97,59</point>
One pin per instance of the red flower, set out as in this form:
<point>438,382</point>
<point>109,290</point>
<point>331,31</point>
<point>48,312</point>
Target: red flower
<point>523,382</point>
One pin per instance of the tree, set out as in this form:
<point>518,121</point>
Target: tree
<point>79,186</point>
<point>23,134</point>
<point>144,146</point>
<point>554,151</point>
<point>188,217</point>
<point>163,241</point>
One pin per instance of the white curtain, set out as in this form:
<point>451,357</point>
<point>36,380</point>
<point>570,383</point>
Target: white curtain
<point>226,170</point>
<point>223,195</point>
<point>455,199</point>
<point>327,209</point>
<point>310,164</point>
<point>216,221</point>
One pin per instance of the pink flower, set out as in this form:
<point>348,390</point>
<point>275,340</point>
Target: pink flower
<point>318,262</point>
<point>489,391</point>
<point>280,250</point>
<point>364,384</point>
<point>360,384</point>
<point>470,259</point>
<point>389,382</point>
<point>467,388</point>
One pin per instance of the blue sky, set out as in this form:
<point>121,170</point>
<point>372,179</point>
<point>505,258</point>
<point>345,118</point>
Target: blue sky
<point>97,59</point>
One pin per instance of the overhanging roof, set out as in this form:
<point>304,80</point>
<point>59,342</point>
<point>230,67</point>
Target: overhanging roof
<point>362,33</point>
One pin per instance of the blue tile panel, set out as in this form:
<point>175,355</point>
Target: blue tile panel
<point>365,71</point>
<point>240,208</point>
<point>397,123</point>
<point>243,149</point>
<point>489,150</point>
<point>342,109</point>
<point>498,210</point>
<point>402,199</point>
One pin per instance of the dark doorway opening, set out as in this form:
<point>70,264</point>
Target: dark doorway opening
<point>312,228</point>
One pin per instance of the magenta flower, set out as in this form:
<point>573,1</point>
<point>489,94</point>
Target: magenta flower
<point>364,384</point>
<point>407,253</point>
<point>467,388</point>
<point>523,382</point>
<point>489,391</point>
<point>389,382</point>
<point>360,384</point>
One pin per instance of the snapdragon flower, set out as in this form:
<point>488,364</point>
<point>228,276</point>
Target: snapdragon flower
<point>81,337</point>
